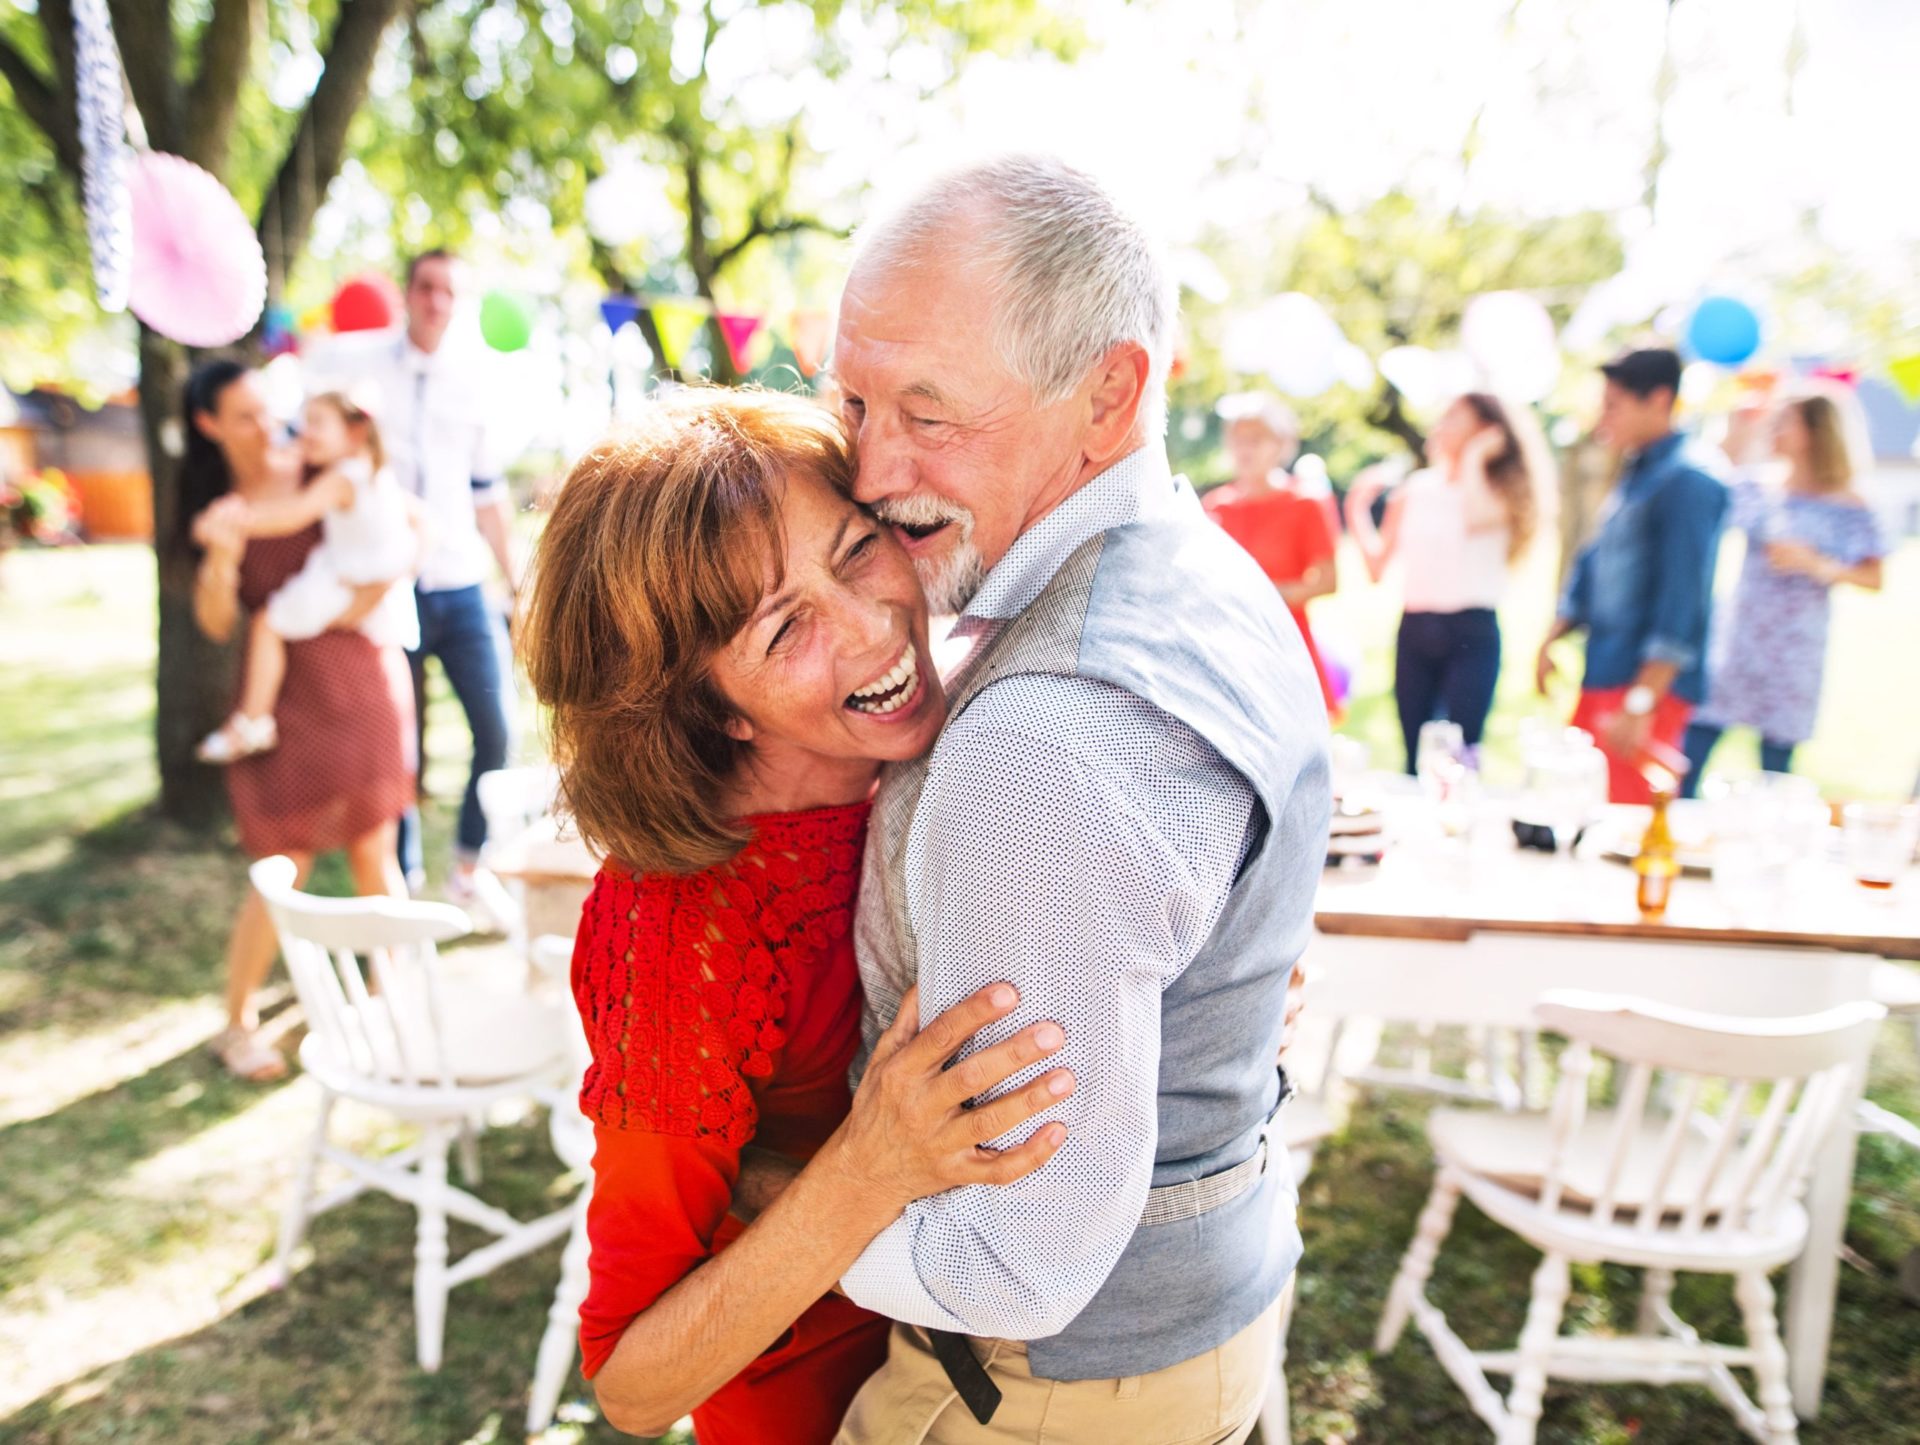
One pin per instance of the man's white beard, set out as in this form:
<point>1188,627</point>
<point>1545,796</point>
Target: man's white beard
<point>951,579</point>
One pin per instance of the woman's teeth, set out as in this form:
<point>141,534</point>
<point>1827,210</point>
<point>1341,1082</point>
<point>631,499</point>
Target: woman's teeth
<point>890,693</point>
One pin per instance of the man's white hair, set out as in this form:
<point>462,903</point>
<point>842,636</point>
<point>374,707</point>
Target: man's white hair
<point>1072,274</point>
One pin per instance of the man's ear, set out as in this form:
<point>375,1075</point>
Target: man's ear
<point>1119,391</point>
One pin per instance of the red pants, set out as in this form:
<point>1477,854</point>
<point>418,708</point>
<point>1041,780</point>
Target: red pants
<point>1596,709</point>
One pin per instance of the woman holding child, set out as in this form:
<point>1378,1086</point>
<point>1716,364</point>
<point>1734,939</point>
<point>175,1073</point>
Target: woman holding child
<point>341,768</point>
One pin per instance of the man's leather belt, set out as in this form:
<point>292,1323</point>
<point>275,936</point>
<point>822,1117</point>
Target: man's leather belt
<point>1168,1204</point>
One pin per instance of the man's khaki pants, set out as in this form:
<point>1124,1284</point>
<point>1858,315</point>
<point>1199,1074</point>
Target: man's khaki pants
<point>1212,1399</point>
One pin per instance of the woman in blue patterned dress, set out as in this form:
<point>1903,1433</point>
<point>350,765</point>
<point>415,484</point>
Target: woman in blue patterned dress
<point>1804,537</point>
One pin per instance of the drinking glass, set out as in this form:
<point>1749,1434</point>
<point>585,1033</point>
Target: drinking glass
<point>1762,826</point>
<point>1879,839</point>
<point>1440,758</point>
<point>1566,783</point>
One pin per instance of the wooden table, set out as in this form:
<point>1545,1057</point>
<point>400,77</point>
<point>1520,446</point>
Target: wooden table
<point>1451,889</point>
<point>1431,891</point>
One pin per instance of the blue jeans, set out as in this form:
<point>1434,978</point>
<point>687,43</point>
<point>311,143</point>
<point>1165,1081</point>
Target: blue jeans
<point>1699,745</point>
<point>469,638</point>
<point>1445,666</point>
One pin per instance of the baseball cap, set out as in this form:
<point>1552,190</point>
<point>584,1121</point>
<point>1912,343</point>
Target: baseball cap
<point>1645,371</point>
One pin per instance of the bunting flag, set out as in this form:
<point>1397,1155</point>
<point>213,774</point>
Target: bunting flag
<point>1838,375</point>
<point>808,336</point>
<point>677,323</point>
<point>738,332</point>
<point>104,156</point>
<point>617,311</point>
<point>1905,372</point>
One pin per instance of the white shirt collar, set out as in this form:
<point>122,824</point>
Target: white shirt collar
<point>1135,486</point>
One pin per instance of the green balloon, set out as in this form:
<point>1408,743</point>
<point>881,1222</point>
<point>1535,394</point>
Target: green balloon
<point>506,321</point>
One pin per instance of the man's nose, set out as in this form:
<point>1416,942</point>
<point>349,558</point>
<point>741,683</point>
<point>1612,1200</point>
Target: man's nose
<point>882,469</point>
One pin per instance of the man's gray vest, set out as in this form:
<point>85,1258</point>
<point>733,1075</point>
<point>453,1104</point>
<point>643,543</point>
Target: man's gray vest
<point>1171,610</point>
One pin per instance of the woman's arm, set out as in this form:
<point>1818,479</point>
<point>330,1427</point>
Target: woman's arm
<point>369,595</point>
<point>1827,571</point>
<point>1320,575</point>
<point>909,1135</point>
<point>1486,510</point>
<point>1376,544</point>
<point>221,530</point>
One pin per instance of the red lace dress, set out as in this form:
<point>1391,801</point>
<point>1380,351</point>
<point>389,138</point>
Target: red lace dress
<point>722,1008</point>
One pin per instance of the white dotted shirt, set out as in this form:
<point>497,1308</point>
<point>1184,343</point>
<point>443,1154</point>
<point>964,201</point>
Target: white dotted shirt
<point>1079,842</point>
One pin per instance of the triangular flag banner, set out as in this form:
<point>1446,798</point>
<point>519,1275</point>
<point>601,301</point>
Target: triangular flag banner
<point>617,311</point>
<point>1906,375</point>
<point>808,338</point>
<point>678,322</point>
<point>1838,375</point>
<point>738,332</point>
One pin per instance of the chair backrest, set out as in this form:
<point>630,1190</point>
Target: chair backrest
<point>512,799</point>
<point>364,969</point>
<point>1715,1120</point>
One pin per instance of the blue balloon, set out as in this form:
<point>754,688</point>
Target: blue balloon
<point>1723,329</point>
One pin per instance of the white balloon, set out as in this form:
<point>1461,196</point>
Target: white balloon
<point>1355,366</point>
<point>1511,337</point>
<point>1414,372</point>
<point>1293,340</point>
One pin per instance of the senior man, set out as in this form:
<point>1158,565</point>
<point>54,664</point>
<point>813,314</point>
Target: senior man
<point>1125,816</point>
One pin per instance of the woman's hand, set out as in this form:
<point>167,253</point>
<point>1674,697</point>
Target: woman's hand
<point>221,527</point>
<point>366,597</point>
<point>1482,447</point>
<point>912,1132</point>
<point>1798,557</point>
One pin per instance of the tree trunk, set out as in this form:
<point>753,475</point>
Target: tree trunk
<point>195,675</point>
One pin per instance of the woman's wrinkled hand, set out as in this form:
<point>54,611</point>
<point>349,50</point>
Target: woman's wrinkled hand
<point>913,1131</point>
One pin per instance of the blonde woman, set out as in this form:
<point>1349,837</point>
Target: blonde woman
<point>1457,527</point>
<point>1806,536</point>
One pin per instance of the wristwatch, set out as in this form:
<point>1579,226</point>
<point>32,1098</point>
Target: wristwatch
<point>1639,700</point>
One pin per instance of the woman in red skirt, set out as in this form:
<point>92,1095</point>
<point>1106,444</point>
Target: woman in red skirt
<point>730,649</point>
<point>343,771</point>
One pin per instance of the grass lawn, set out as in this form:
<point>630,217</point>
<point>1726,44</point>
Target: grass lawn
<point>139,1186</point>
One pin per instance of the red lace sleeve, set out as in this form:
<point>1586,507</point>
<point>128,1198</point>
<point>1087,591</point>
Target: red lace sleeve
<point>681,1002</point>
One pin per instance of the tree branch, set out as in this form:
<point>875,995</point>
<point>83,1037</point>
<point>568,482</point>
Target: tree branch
<point>40,103</point>
<point>319,141</point>
<point>225,46</point>
<point>762,228</point>
<point>145,33</point>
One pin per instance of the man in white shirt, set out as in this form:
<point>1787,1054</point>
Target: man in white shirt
<point>433,426</point>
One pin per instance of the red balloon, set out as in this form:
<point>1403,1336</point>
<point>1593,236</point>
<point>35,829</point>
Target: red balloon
<point>366,303</point>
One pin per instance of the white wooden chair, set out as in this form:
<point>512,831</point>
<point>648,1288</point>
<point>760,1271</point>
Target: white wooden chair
<point>385,1029</point>
<point>573,1142</point>
<point>1304,1124</point>
<point>1711,1184</point>
<point>512,799</point>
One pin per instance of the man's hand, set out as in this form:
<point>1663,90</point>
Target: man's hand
<point>1628,733</point>
<point>1544,667</point>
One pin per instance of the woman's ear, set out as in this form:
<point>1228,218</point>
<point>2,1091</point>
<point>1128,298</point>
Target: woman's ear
<point>739,729</point>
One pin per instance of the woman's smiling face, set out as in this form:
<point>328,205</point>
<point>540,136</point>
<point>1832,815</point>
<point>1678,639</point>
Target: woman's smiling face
<point>834,662</point>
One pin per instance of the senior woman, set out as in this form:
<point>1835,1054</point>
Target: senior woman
<point>730,649</point>
<point>343,771</point>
